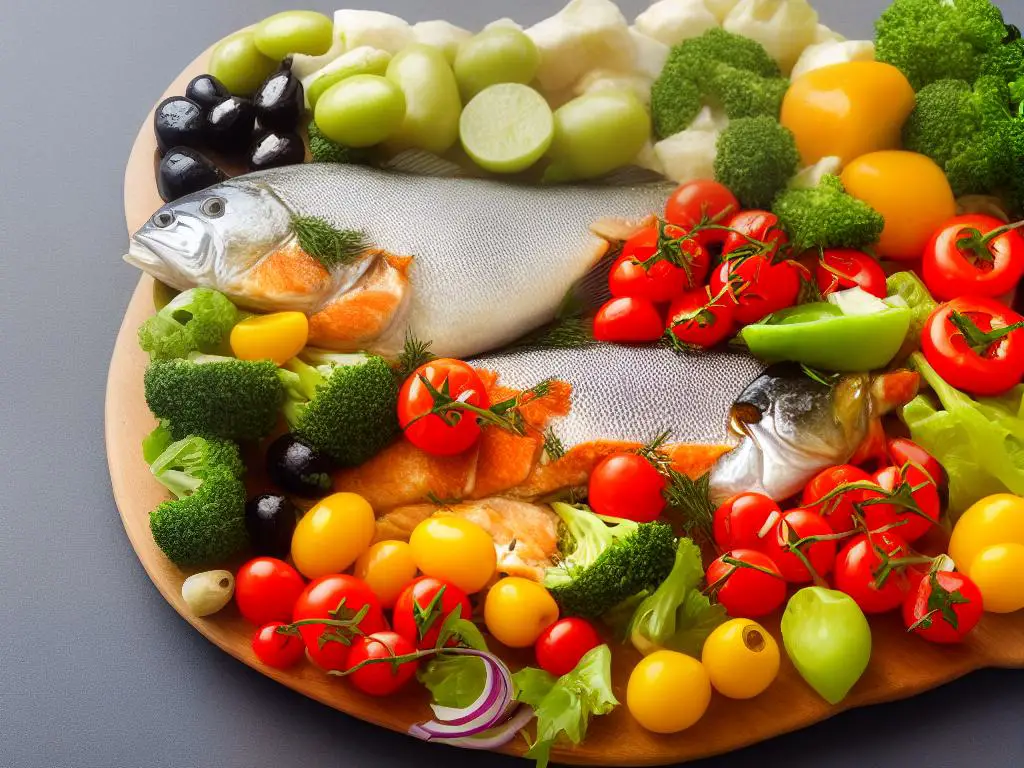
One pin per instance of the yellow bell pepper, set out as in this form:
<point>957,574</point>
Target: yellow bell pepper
<point>278,337</point>
<point>847,110</point>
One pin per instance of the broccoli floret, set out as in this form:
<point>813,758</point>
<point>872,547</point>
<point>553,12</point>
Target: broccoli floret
<point>344,405</point>
<point>930,40</point>
<point>603,565</point>
<point>826,217</point>
<point>696,72</point>
<point>325,150</point>
<point>198,319</point>
<point>1005,61</point>
<point>206,522</point>
<point>215,396</point>
<point>755,158</point>
<point>963,129</point>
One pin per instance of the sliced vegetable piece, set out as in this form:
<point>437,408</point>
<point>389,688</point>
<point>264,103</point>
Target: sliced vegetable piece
<point>506,128</point>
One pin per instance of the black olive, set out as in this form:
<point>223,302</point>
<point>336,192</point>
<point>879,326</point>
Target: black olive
<point>297,467</point>
<point>280,101</point>
<point>178,122</point>
<point>270,520</point>
<point>184,171</point>
<point>207,91</point>
<point>272,150</point>
<point>229,125</point>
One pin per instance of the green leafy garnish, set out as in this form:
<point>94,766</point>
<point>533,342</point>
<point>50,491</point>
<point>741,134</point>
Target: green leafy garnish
<point>326,243</point>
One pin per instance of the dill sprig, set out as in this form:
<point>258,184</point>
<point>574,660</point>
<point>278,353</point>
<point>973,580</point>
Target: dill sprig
<point>415,353</point>
<point>554,448</point>
<point>688,498</point>
<point>326,243</point>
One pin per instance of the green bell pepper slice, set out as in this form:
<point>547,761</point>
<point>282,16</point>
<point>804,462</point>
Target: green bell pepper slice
<point>819,335</point>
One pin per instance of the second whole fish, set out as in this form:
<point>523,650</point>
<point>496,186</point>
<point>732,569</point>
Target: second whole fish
<point>467,264</point>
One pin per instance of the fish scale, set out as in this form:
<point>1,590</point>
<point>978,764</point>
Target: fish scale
<point>633,393</point>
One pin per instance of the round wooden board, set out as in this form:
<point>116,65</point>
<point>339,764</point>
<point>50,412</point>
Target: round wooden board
<point>901,665</point>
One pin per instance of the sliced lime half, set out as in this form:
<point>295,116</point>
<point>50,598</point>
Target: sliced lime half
<point>506,128</point>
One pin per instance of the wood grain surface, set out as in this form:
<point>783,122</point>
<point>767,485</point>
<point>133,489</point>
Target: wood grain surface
<point>901,665</point>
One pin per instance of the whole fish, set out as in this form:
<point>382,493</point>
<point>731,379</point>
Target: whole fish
<point>467,264</point>
<point>793,426</point>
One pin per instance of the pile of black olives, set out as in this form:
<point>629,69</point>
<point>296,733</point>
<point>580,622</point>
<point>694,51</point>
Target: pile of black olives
<point>260,131</point>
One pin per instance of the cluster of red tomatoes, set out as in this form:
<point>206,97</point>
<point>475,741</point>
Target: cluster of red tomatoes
<point>855,529</point>
<point>339,622</point>
<point>665,281</point>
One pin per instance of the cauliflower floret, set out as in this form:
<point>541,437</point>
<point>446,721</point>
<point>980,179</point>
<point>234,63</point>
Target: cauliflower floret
<point>608,80</point>
<point>672,21</point>
<point>811,176</point>
<point>783,27</point>
<point>823,54</point>
<point>648,158</point>
<point>825,35</point>
<point>649,54</point>
<point>720,8</point>
<point>357,61</point>
<point>584,35</point>
<point>690,154</point>
<point>303,66</point>
<point>440,34</point>
<point>373,28</point>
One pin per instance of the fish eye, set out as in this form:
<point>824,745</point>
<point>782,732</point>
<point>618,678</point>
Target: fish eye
<point>163,219</point>
<point>213,207</point>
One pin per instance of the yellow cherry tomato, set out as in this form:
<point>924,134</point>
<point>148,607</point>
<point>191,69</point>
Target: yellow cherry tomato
<point>330,537</point>
<point>741,658</point>
<point>456,550</point>
<point>847,110</point>
<point>910,191</point>
<point>996,519</point>
<point>278,337</point>
<point>668,692</point>
<point>999,573</point>
<point>517,610</point>
<point>387,566</point>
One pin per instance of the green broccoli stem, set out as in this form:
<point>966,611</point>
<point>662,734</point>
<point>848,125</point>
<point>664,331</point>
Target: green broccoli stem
<point>181,484</point>
<point>661,606</point>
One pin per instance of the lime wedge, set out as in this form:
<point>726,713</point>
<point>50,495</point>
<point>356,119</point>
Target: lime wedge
<point>506,128</point>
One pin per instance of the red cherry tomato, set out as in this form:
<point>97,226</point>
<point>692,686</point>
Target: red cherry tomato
<point>862,574</point>
<point>698,319</point>
<point>739,521</point>
<point>429,431</point>
<point>702,201</point>
<point>628,321</point>
<point>838,510</point>
<point>277,650</point>
<point>658,270</point>
<point>755,231</point>
<point>842,268</point>
<point>944,608</point>
<point>422,607</point>
<point>991,361</point>
<point>561,646</point>
<point>974,255</point>
<point>380,679</point>
<point>626,485</point>
<point>747,583</point>
<point>915,504</point>
<point>336,597</point>
<point>902,451</point>
<point>757,286</point>
<point>266,590</point>
<point>783,542</point>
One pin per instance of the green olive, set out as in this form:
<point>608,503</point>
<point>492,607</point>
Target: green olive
<point>238,63</point>
<point>305,32</point>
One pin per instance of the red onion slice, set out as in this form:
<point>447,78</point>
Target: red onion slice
<point>489,709</point>
<point>496,737</point>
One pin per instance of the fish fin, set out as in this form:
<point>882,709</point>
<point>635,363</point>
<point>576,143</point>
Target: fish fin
<point>617,230</point>
<point>364,313</point>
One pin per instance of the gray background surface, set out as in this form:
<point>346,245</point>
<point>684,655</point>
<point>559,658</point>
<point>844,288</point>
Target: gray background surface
<point>96,670</point>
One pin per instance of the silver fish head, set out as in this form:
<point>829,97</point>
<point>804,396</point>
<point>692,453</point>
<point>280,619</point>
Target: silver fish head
<point>210,236</point>
<point>791,427</point>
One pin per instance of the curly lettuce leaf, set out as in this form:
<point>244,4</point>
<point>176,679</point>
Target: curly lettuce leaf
<point>909,287</point>
<point>565,705</point>
<point>980,442</point>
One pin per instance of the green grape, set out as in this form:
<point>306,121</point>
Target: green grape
<point>597,133</point>
<point>305,32</point>
<point>360,61</point>
<point>360,111</point>
<point>432,99</point>
<point>828,640</point>
<point>238,63</point>
<point>506,128</point>
<point>498,55</point>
